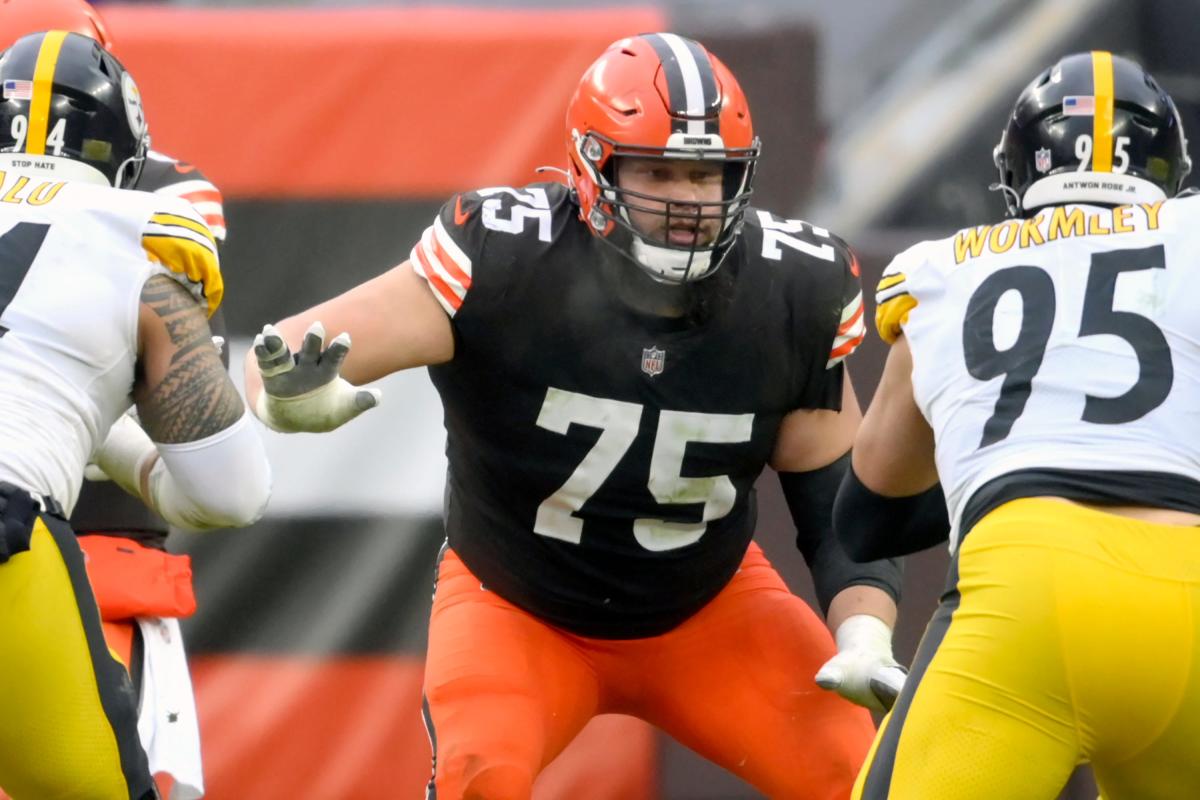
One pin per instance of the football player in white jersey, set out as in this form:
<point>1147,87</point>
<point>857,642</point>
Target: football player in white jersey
<point>1047,370</point>
<point>142,589</point>
<point>104,298</point>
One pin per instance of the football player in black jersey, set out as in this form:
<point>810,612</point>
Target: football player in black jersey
<point>618,358</point>
<point>138,585</point>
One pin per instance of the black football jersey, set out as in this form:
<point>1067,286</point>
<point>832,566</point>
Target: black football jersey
<point>602,460</point>
<point>103,506</point>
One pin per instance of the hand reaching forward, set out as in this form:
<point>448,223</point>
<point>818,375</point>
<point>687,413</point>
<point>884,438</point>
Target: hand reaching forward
<point>864,671</point>
<point>305,392</point>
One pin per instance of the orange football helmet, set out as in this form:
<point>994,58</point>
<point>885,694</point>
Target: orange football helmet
<point>659,95</point>
<point>20,17</point>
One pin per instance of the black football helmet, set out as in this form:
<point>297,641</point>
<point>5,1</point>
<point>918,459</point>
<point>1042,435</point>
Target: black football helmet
<point>68,107</point>
<point>1094,128</point>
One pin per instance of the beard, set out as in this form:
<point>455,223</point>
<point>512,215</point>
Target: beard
<point>696,302</point>
<point>705,299</point>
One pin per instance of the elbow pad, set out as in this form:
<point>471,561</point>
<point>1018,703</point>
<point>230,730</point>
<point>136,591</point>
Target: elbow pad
<point>222,481</point>
<point>871,526</point>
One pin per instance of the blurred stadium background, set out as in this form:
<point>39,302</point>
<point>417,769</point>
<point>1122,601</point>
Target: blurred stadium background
<point>336,130</point>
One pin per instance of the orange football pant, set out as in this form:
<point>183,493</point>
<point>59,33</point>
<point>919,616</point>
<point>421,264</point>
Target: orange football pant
<point>505,692</point>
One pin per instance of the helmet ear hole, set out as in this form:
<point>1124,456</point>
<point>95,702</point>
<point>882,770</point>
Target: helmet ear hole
<point>609,171</point>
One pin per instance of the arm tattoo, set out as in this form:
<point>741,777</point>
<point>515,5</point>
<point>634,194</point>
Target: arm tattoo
<point>195,398</point>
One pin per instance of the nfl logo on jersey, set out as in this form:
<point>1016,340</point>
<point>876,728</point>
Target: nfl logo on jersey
<point>653,360</point>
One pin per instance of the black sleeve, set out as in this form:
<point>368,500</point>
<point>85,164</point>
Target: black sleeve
<point>810,499</point>
<point>872,526</point>
<point>832,322</point>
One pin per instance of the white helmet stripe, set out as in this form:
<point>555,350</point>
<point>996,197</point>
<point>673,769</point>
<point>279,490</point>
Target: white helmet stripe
<point>692,86</point>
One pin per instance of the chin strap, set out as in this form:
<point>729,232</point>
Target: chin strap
<point>672,266</point>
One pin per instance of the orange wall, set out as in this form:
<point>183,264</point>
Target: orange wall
<point>363,103</point>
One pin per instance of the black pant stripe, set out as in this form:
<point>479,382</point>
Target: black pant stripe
<point>879,775</point>
<point>431,787</point>
<point>117,696</point>
<point>426,715</point>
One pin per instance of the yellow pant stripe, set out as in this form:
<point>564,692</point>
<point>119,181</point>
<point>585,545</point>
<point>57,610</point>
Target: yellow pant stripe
<point>70,715</point>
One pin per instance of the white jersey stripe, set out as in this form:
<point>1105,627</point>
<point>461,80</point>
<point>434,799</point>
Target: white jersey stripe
<point>883,296</point>
<point>852,307</point>
<point>186,187</point>
<point>178,232</point>
<point>414,259</point>
<point>207,208</point>
<point>449,246</point>
<point>430,253</point>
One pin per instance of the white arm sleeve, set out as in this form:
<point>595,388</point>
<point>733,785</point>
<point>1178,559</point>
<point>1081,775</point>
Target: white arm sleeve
<point>223,481</point>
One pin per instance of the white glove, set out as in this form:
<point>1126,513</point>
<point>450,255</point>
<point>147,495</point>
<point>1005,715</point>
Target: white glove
<point>305,392</point>
<point>864,671</point>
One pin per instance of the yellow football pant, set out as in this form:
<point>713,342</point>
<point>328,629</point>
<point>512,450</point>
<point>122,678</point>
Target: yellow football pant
<point>1066,635</point>
<point>68,722</point>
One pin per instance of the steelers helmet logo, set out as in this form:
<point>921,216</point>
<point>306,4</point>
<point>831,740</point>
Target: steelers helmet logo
<point>133,105</point>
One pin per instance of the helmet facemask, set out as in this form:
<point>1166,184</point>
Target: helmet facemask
<point>655,254</point>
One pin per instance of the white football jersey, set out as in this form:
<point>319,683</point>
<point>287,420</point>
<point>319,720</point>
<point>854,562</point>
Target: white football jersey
<point>1068,341</point>
<point>73,260</point>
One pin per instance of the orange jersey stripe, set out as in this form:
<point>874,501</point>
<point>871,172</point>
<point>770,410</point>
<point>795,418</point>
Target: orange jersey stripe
<point>450,264</point>
<point>435,280</point>
<point>848,324</point>
<point>202,196</point>
<point>848,347</point>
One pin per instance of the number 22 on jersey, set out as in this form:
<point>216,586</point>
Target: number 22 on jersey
<point>618,422</point>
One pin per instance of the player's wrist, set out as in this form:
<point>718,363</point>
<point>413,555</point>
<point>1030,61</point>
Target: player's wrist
<point>266,407</point>
<point>864,632</point>
<point>322,409</point>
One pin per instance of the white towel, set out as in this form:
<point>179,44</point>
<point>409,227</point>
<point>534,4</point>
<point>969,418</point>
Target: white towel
<point>167,723</point>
